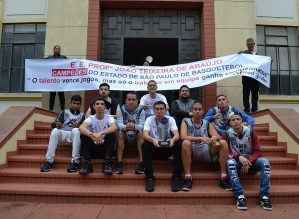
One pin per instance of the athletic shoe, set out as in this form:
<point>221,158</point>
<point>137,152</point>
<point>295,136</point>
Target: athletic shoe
<point>87,168</point>
<point>175,185</point>
<point>47,167</point>
<point>107,168</point>
<point>265,202</point>
<point>150,185</point>
<point>119,168</point>
<point>225,183</point>
<point>73,167</point>
<point>140,168</point>
<point>187,185</point>
<point>241,203</point>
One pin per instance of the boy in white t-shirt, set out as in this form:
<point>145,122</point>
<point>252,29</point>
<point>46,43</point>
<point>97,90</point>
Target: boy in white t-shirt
<point>154,148</point>
<point>98,137</point>
<point>148,100</point>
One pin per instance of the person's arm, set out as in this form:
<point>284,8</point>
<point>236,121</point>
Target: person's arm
<point>81,120</point>
<point>175,111</point>
<point>120,121</point>
<point>256,147</point>
<point>58,121</point>
<point>143,104</point>
<point>140,124</point>
<point>230,153</point>
<point>84,129</point>
<point>246,118</point>
<point>88,113</point>
<point>213,132</point>
<point>117,108</point>
<point>210,115</point>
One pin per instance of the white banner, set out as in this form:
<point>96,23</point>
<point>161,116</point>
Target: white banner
<point>76,74</point>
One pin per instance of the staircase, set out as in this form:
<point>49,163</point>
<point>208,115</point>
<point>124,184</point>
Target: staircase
<point>23,181</point>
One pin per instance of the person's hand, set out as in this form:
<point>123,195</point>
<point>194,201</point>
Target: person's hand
<point>244,161</point>
<point>156,142</point>
<point>147,106</point>
<point>58,124</point>
<point>208,141</point>
<point>218,115</point>
<point>98,135</point>
<point>130,126</point>
<point>171,142</point>
<point>240,52</point>
<point>98,141</point>
<point>245,123</point>
<point>75,125</point>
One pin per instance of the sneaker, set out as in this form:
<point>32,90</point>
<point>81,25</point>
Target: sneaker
<point>265,202</point>
<point>225,183</point>
<point>140,168</point>
<point>87,168</point>
<point>241,203</point>
<point>47,167</point>
<point>107,168</point>
<point>119,168</point>
<point>73,167</point>
<point>187,185</point>
<point>150,185</point>
<point>175,185</point>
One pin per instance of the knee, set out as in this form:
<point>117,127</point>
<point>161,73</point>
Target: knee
<point>186,145</point>
<point>223,144</point>
<point>231,165</point>
<point>121,135</point>
<point>75,131</point>
<point>55,132</point>
<point>265,164</point>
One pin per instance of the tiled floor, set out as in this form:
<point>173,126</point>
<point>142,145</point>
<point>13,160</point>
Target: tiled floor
<point>17,210</point>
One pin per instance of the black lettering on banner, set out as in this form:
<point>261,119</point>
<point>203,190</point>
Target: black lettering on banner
<point>34,80</point>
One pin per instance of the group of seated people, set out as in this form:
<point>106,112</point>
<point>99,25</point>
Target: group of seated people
<point>225,134</point>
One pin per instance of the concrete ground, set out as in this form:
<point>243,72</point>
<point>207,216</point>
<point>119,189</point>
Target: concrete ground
<point>19,210</point>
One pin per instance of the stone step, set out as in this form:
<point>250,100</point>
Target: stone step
<point>61,176</point>
<point>128,194</point>
<point>36,161</point>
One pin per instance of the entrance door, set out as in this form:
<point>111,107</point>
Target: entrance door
<point>169,36</point>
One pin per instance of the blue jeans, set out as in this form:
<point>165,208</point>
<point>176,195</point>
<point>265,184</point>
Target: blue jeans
<point>261,165</point>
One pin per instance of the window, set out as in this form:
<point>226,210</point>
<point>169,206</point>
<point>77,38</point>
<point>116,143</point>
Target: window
<point>19,42</point>
<point>281,43</point>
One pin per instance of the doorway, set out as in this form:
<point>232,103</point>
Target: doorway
<point>165,51</point>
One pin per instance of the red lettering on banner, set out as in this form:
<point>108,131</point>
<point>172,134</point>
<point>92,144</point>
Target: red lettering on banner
<point>69,72</point>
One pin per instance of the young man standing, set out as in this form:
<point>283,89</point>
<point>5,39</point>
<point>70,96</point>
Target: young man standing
<point>65,132</point>
<point>147,101</point>
<point>156,146</point>
<point>98,137</point>
<point>202,143</point>
<point>130,122</point>
<point>246,158</point>
<point>219,115</point>
<point>104,92</point>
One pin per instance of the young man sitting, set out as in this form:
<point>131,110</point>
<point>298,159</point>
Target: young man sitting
<point>202,143</point>
<point>246,158</point>
<point>98,137</point>
<point>130,122</point>
<point>156,146</point>
<point>65,132</point>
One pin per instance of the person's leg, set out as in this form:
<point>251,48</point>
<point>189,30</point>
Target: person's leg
<point>120,144</point>
<point>233,168</point>
<point>61,100</point>
<point>246,92</point>
<point>187,151</point>
<point>255,95</point>
<point>186,156</point>
<point>87,146</point>
<point>139,141</point>
<point>108,145</point>
<point>74,140</point>
<point>147,149</point>
<point>55,137</point>
<point>262,165</point>
<point>177,166</point>
<point>52,100</point>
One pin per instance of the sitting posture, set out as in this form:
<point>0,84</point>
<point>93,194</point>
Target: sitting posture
<point>202,143</point>
<point>130,122</point>
<point>98,137</point>
<point>65,132</point>
<point>219,115</point>
<point>246,158</point>
<point>159,144</point>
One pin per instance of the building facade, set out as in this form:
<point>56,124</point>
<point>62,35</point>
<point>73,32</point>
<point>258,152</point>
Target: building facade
<point>173,32</point>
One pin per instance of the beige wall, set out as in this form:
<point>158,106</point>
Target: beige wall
<point>234,22</point>
<point>66,26</point>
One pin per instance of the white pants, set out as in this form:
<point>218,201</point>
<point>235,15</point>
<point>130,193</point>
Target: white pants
<point>61,137</point>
